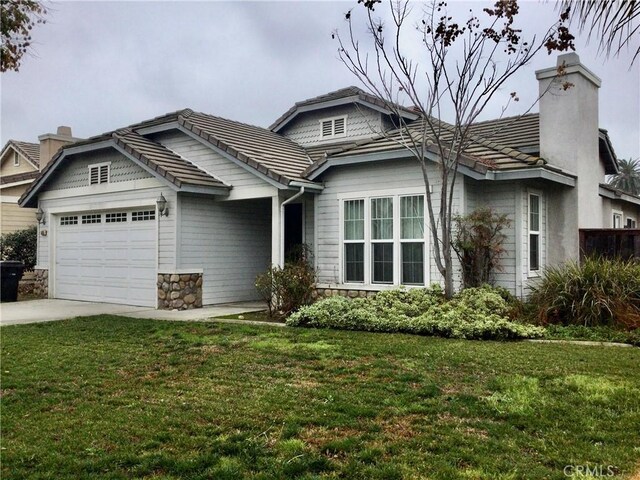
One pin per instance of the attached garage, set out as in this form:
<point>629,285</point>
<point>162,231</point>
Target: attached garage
<point>106,256</point>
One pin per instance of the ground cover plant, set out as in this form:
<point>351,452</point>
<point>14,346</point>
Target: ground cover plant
<point>474,313</point>
<point>114,397</point>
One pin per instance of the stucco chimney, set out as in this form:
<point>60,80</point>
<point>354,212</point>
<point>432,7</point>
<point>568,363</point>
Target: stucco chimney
<point>569,131</point>
<point>51,142</point>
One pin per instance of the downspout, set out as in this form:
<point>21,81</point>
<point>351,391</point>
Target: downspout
<point>282,205</point>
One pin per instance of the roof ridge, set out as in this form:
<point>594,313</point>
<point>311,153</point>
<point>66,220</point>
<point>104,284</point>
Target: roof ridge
<point>511,117</point>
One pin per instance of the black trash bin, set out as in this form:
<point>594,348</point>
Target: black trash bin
<point>10,275</point>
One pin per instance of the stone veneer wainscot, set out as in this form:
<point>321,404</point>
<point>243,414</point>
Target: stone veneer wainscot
<point>179,291</point>
<point>41,283</point>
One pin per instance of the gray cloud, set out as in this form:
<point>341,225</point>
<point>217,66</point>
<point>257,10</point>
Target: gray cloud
<point>103,65</point>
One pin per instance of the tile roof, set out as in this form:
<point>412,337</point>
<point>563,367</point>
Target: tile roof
<point>269,153</point>
<point>523,133</point>
<point>481,154</point>
<point>18,177</point>
<point>31,151</point>
<point>163,161</point>
<point>347,92</point>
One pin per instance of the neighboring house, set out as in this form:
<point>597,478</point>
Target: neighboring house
<point>187,208</point>
<point>20,164</point>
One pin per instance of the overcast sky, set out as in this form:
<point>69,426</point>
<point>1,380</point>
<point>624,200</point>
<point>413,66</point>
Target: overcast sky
<point>99,66</point>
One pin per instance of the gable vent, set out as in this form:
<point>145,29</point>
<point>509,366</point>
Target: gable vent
<point>333,127</point>
<point>98,174</point>
<point>327,128</point>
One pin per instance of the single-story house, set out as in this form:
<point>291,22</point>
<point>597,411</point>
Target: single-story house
<point>187,208</point>
<point>20,165</point>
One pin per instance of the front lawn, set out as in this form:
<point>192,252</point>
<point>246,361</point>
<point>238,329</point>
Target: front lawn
<point>113,397</point>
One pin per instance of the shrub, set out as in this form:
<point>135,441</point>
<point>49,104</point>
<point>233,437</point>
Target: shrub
<point>596,292</point>
<point>21,246</point>
<point>478,243</point>
<point>288,288</point>
<point>476,313</point>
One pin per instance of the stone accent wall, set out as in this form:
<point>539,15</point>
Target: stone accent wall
<point>343,292</point>
<point>179,291</point>
<point>41,283</point>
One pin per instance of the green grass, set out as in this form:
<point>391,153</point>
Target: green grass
<point>112,397</point>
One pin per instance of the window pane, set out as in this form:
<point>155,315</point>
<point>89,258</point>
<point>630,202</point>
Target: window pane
<point>534,251</point>
<point>413,263</point>
<point>412,217</point>
<point>354,220</point>
<point>382,262</point>
<point>534,213</point>
<point>382,218</point>
<point>354,262</point>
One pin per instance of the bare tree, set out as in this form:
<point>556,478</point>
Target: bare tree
<point>18,19</point>
<point>615,22</point>
<point>465,65</point>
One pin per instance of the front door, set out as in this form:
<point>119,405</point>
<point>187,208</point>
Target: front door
<point>293,237</point>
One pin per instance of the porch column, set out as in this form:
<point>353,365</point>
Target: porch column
<point>277,228</point>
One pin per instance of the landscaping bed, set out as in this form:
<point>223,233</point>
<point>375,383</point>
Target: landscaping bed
<point>114,397</point>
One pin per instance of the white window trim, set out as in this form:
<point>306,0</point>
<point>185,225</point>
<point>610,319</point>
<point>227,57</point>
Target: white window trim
<point>397,251</point>
<point>16,159</point>
<point>333,127</point>
<point>617,213</point>
<point>98,166</point>
<point>632,218</point>
<point>539,232</point>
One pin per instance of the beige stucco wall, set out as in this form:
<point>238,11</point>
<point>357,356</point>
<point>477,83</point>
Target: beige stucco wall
<point>627,209</point>
<point>13,217</point>
<point>7,167</point>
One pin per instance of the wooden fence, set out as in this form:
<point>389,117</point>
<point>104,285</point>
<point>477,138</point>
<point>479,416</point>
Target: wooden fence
<point>610,243</point>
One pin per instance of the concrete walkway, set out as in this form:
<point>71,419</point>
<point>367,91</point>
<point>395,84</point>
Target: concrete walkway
<point>34,311</point>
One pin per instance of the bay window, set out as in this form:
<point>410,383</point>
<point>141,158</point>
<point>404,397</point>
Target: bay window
<point>383,240</point>
<point>412,239</point>
<point>354,241</point>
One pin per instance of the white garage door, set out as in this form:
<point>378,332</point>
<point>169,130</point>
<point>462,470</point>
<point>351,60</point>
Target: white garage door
<point>107,257</point>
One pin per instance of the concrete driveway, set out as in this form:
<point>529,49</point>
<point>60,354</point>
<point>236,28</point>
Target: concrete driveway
<point>34,311</point>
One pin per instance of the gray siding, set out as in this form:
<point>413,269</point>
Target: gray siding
<point>362,122</point>
<point>372,177</point>
<point>501,197</point>
<point>75,172</point>
<point>309,227</point>
<point>230,241</point>
<point>208,160</point>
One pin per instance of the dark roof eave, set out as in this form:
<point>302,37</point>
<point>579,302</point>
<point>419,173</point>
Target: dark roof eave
<point>604,143</point>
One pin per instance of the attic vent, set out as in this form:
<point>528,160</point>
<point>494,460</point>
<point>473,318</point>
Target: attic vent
<point>333,127</point>
<point>99,173</point>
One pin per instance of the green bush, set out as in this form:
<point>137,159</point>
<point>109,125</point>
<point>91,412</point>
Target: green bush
<point>475,313</point>
<point>478,243</point>
<point>597,292</point>
<point>21,246</point>
<point>286,289</point>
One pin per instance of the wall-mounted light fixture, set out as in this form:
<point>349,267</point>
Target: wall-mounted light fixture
<point>40,217</point>
<point>163,209</point>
